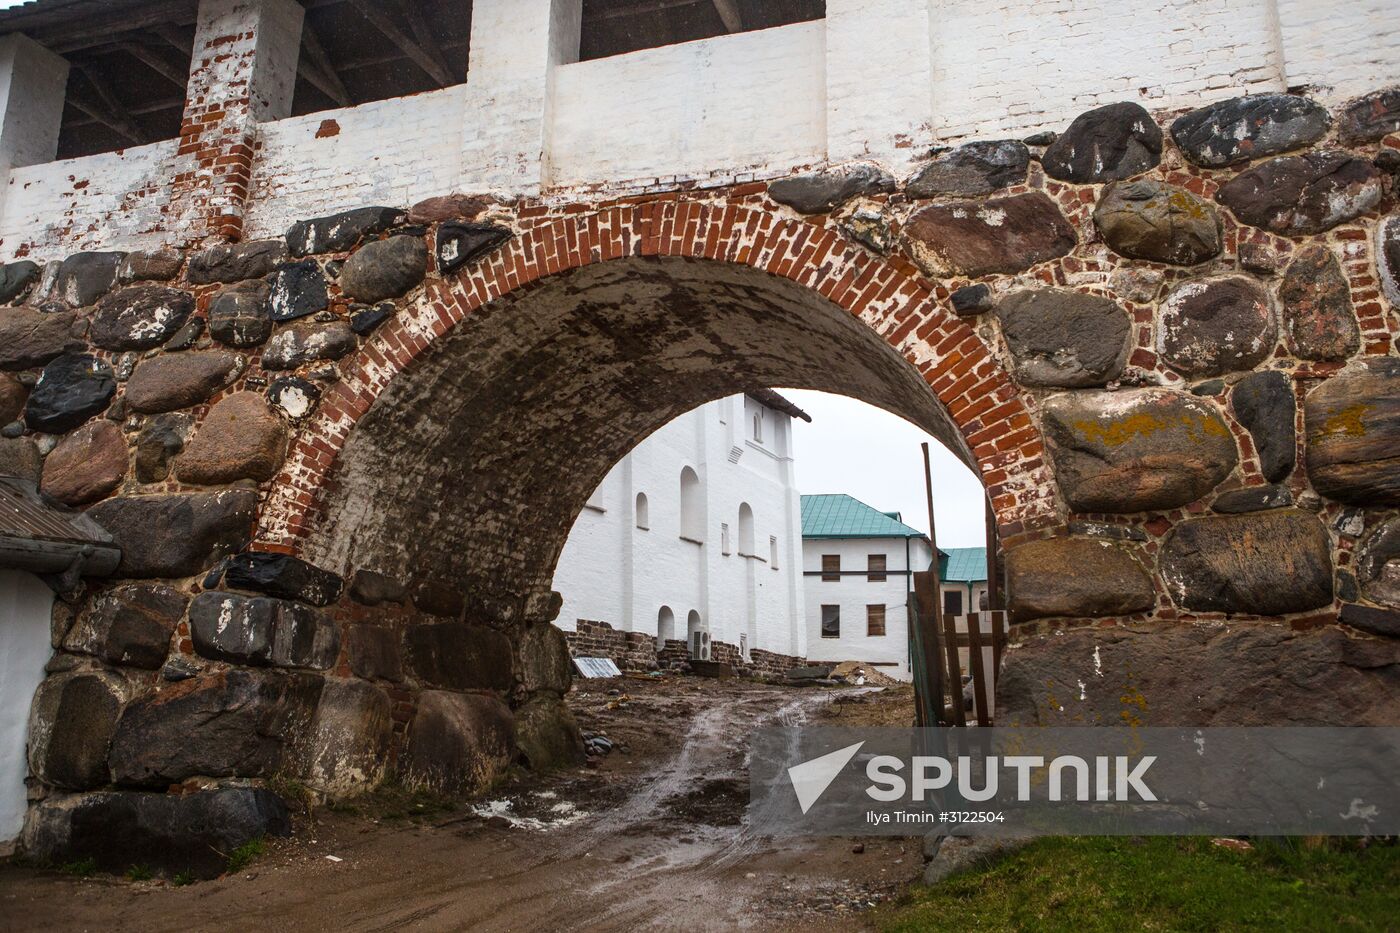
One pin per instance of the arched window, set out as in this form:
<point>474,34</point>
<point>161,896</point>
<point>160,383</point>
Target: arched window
<point>746,545</point>
<point>692,519</point>
<point>665,626</point>
<point>758,427</point>
<point>643,512</point>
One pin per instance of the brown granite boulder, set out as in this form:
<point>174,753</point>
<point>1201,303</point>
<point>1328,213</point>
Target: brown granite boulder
<point>1353,435</point>
<point>1147,219</point>
<point>1213,326</point>
<point>1303,194</point>
<point>974,238</point>
<point>86,465</point>
<point>179,380</point>
<point>1076,577</point>
<point>457,743</point>
<point>1136,450</point>
<point>1318,319</point>
<point>240,438</point>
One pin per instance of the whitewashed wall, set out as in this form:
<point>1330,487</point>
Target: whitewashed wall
<point>611,571</point>
<point>879,79</point>
<point>748,103</point>
<point>25,607</point>
<point>853,592</point>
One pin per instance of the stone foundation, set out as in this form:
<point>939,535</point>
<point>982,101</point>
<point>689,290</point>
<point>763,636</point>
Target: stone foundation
<point>637,651</point>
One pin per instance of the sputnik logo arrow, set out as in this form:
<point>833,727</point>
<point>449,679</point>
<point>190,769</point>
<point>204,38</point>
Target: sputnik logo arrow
<point>811,778</point>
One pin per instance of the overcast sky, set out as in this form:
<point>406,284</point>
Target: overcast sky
<point>868,453</point>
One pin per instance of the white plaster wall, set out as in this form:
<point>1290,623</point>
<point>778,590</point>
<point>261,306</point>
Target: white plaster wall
<point>1343,49</point>
<point>611,571</point>
<point>25,607</point>
<point>853,592</point>
<point>107,201</point>
<point>390,152</point>
<point>754,102</point>
<point>1013,67</point>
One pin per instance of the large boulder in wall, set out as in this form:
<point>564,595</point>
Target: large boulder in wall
<point>457,742</point>
<point>1075,577</point>
<point>1266,563</point>
<point>1136,450</point>
<point>71,724</point>
<point>548,735</point>
<point>348,750</point>
<point>175,834</point>
<point>228,724</point>
<point>1353,435</point>
<point>460,656</point>
<point>177,535</point>
<point>1251,674</point>
<point>545,664</point>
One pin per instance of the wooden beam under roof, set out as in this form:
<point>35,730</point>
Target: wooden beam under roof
<point>728,11</point>
<point>106,110</point>
<point>424,35</point>
<point>397,36</point>
<point>180,77</point>
<point>315,65</point>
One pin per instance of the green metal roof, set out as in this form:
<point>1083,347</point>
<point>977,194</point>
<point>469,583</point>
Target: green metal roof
<point>841,516</point>
<point>962,564</point>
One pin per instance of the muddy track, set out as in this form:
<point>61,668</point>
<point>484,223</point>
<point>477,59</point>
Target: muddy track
<point>660,840</point>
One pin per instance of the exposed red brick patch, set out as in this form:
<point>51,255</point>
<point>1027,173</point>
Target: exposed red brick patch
<point>327,129</point>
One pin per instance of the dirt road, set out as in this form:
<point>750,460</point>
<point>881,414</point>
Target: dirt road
<point>655,836</point>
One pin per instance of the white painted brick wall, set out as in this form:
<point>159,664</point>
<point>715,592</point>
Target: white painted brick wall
<point>1346,48</point>
<point>1008,67</point>
<point>879,79</point>
<point>754,101</point>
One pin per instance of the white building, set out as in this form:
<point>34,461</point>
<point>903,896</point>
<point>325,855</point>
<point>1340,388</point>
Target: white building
<point>696,535</point>
<point>856,563</point>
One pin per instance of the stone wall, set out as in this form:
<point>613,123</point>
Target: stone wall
<point>637,651</point>
<point>1167,342</point>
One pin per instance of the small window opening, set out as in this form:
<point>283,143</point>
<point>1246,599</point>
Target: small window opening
<point>643,512</point>
<point>831,621</point>
<point>875,620</point>
<point>875,568</point>
<point>831,568</point>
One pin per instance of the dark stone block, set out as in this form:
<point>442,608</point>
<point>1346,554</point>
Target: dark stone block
<point>1367,119</point>
<point>365,320</point>
<point>1136,450</point>
<point>545,663</point>
<point>1209,327</point>
<point>438,599</point>
<point>236,262</point>
<point>296,290</point>
<point>262,631</point>
<point>1107,144</point>
<point>30,338</point>
<point>177,535</point>
<point>1075,577</point>
<point>1245,128</point>
<point>175,834</point>
<point>140,317</point>
<point>457,743</point>
<point>974,169</point>
<point>187,336</point>
<point>179,380</point>
<point>975,238</point>
<point>284,577</point>
<point>1259,674</point>
<point>1378,564</point>
<point>1060,337</point>
<point>971,300</point>
<point>238,315</point>
<point>1264,404</point>
<point>85,277</point>
<point>384,269</point>
<point>71,390</point>
<point>1318,319</point>
<point>71,724</point>
<point>1383,622</point>
<point>294,396</point>
<point>234,723</point>
<point>824,191</point>
<point>1353,435</point>
<point>307,342</point>
<point>1264,563</point>
<point>1148,219</point>
<point>158,265</point>
<point>371,588</point>
<point>1303,194</point>
<point>350,738</point>
<point>340,232</point>
<point>460,243</point>
<point>374,652</point>
<point>15,279</point>
<point>460,656</point>
<point>1253,499</point>
<point>157,445</point>
<point>130,625</point>
<point>1211,388</point>
<point>548,735</point>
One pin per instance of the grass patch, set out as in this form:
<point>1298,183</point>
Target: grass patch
<point>243,856</point>
<point>182,879</point>
<point>79,869</point>
<point>1109,884</point>
<point>139,873</point>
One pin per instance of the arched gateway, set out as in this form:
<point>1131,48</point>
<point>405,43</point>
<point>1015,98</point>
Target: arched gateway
<point>1178,384</point>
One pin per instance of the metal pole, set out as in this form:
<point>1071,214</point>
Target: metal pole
<point>993,561</point>
<point>932,645</point>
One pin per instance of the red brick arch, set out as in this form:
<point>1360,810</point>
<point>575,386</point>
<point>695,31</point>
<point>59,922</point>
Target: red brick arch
<point>890,295</point>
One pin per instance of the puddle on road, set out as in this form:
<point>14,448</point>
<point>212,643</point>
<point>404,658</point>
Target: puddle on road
<point>541,810</point>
